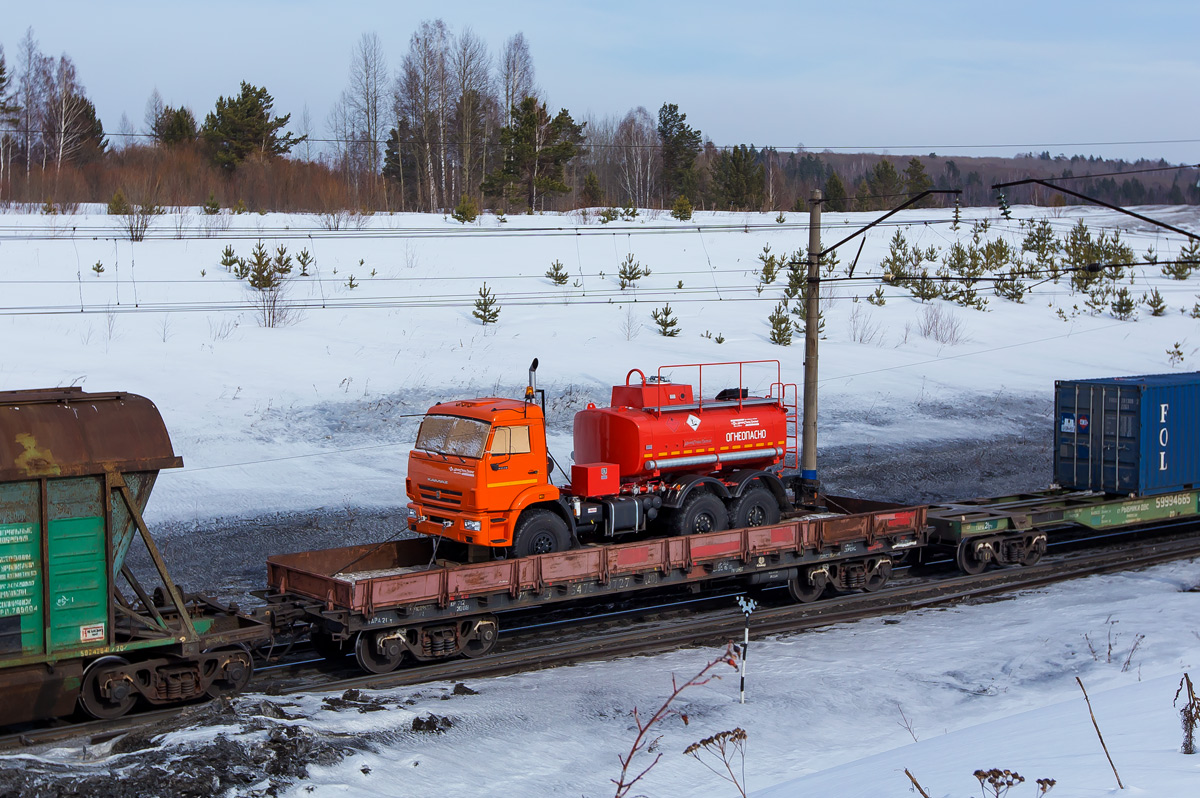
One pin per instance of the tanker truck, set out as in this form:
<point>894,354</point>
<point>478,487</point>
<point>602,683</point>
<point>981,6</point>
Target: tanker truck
<point>660,459</point>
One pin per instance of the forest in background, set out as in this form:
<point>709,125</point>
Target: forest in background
<point>457,127</point>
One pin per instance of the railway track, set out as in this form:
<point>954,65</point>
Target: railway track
<point>648,631</point>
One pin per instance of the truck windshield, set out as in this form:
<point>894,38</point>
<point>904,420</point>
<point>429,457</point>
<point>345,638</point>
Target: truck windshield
<point>461,437</point>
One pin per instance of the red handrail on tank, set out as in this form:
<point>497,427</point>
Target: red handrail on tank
<point>635,371</point>
<point>700,379</point>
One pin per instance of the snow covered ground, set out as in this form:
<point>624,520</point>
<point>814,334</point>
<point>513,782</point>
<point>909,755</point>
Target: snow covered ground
<point>319,414</point>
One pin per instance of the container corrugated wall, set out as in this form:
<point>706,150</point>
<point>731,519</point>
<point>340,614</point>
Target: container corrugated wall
<point>1128,435</point>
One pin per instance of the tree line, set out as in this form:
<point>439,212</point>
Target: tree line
<point>457,125</point>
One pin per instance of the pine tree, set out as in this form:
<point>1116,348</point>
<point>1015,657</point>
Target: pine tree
<point>282,263</point>
<point>877,298</point>
<point>118,205</point>
<point>629,272</point>
<point>486,308</point>
<point>174,126</point>
<point>781,325</point>
<point>229,259</point>
<point>916,180</point>
<point>212,207</point>
<point>1187,261</point>
<point>593,194</point>
<point>466,211</point>
<point>1010,287</point>
<point>241,125</point>
<point>884,183</point>
<point>682,209</point>
<point>1154,300</point>
<point>668,325</point>
<point>924,288</point>
<point>536,150</point>
<point>738,179</point>
<point>680,146</point>
<point>1045,246</point>
<point>1123,305</point>
<point>262,272</point>
<point>557,274</point>
<point>835,193</point>
<point>98,268</point>
<point>305,260</point>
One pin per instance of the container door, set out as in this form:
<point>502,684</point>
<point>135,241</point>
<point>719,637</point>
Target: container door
<point>77,564</point>
<point>21,621</point>
<point>1099,437</point>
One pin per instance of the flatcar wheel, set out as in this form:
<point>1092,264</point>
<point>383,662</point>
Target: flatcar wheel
<point>801,589</point>
<point>878,577</point>
<point>92,699</point>
<point>235,675</point>
<point>487,632</point>
<point>371,659</point>
<point>1034,553</point>
<point>328,648</point>
<point>967,561</point>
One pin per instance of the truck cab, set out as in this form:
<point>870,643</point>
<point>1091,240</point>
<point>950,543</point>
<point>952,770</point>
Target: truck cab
<point>477,464</point>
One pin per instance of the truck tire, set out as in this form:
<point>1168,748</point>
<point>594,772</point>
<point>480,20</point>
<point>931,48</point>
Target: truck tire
<point>539,532</point>
<point>756,507</point>
<point>701,512</point>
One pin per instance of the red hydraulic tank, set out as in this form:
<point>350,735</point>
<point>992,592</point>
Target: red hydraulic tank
<point>655,429</point>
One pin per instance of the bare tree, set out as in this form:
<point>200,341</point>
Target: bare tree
<point>516,74</point>
<point>35,71</point>
<point>66,113</point>
<point>470,67</point>
<point>637,140</point>
<point>154,111</point>
<point>421,100</point>
<point>601,155</point>
<point>10,115</point>
<point>368,74</point>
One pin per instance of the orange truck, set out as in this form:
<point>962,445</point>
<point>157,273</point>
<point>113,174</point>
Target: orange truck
<point>660,458</point>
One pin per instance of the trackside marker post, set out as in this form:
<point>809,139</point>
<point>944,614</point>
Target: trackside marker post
<point>748,606</point>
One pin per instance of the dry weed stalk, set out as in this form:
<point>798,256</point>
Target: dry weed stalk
<point>724,746</point>
<point>645,741</point>
<point>1188,715</point>
<point>1098,734</point>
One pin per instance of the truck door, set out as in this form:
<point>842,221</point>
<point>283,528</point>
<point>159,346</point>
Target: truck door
<point>511,465</point>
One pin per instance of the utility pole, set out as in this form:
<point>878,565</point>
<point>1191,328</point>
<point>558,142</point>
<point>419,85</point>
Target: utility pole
<point>812,325</point>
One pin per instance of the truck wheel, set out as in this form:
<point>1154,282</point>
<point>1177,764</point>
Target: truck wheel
<point>756,507</point>
<point>701,512</point>
<point>539,532</point>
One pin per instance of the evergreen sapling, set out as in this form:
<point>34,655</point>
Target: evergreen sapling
<point>486,308</point>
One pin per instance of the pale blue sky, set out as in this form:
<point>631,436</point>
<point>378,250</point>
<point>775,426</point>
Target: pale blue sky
<point>1058,75</point>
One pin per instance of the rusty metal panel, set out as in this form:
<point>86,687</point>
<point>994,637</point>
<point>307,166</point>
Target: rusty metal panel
<point>481,578</point>
<point>39,691</point>
<point>571,566</point>
<point>764,540</point>
<point>634,557</point>
<point>836,530</point>
<point>716,545</point>
<point>62,432</point>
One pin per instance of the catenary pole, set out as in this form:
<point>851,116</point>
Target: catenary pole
<point>812,312</point>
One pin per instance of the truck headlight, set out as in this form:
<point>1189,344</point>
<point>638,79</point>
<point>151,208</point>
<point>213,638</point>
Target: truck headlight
<point>473,526</point>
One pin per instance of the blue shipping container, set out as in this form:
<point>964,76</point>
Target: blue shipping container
<point>1128,435</point>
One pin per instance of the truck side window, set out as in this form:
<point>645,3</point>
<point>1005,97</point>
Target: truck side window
<point>510,440</point>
